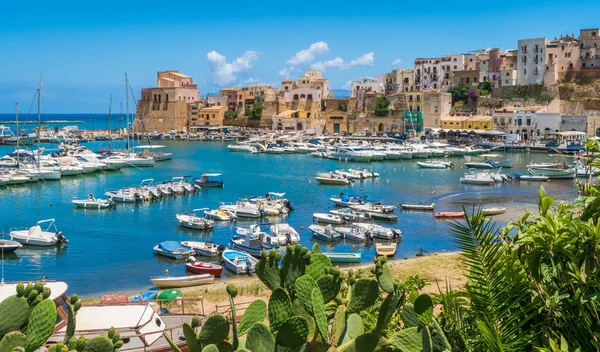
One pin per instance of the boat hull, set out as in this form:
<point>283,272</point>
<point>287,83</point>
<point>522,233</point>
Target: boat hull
<point>204,268</point>
<point>183,281</point>
<point>418,206</point>
<point>344,257</point>
<point>332,181</point>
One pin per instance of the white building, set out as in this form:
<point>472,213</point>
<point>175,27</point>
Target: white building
<point>530,60</point>
<point>533,125</point>
<point>507,78</point>
<point>367,83</point>
<point>427,73</point>
<point>449,64</point>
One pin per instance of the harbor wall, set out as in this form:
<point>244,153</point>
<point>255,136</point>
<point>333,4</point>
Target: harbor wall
<point>162,116</point>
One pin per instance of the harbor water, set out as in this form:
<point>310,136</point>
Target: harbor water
<point>111,250</point>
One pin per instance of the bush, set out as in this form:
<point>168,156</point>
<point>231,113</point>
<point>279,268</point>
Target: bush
<point>381,107</point>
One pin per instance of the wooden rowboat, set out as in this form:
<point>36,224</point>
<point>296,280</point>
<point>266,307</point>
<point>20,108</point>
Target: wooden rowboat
<point>493,211</point>
<point>182,281</point>
<point>385,249</point>
<point>449,214</point>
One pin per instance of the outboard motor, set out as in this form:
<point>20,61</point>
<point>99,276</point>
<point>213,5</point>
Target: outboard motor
<point>61,238</point>
<point>221,248</point>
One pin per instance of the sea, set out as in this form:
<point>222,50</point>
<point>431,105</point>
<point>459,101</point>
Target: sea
<point>111,250</point>
<point>82,121</point>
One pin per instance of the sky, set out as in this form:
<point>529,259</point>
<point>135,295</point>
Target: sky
<point>82,48</point>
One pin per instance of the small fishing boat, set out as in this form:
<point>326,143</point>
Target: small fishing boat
<point>239,262</point>
<point>93,203</point>
<point>479,165</point>
<point>351,215</point>
<point>477,179</point>
<point>197,267</point>
<point>449,214</point>
<point>219,215</point>
<point>172,249</point>
<point>195,222</point>
<point>282,234</point>
<point>182,281</point>
<point>554,173</point>
<point>418,206</point>
<point>537,178</point>
<point>383,217</point>
<point>36,236</point>
<point>493,211</point>
<point>253,243</point>
<point>354,234</point>
<point>146,296</point>
<point>7,246</point>
<point>122,196</point>
<point>343,200</point>
<point>332,179</point>
<point>434,164</point>
<point>385,249</point>
<point>533,165</point>
<point>328,218</point>
<point>324,233</point>
<point>209,180</point>
<point>377,231</point>
<point>205,249</point>
<point>374,208</point>
<point>343,257</point>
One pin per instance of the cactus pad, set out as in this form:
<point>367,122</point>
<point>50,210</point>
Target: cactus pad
<point>225,346</point>
<point>354,328</point>
<point>214,330</point>
<point>12,340</point>
<point>330,286</point>
<point>174,347</point>
<point>293,332</point>
<point>210,348</point>
<point>14,312</point>
<point>369,342</point>
<point>267,269</point>
<point>364,293</point>
<point>386,311</point>
<point>255,313</point>
<point>409,317</point>
<point>191,339</point>
<point>293,265</point>
<point>304,287</point>
<point>316,249</point>
<point>99,343</point>
<point>408,339</point>
<point>385,279</point>
<point>41,325</point>
<point>339,325</point>
<point>319,314</point>
<point>260,338</point>
<point>280,308</point>
<point>298,310</point>
<point>424,308</point>
<point>318,263</point>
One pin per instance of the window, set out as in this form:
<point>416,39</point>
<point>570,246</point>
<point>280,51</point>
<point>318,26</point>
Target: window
<point>525,71</point>
<point>507,75</point>
<point>213,116</point>
<point>455,67</point>
<point>593,34</point>
<point>435,108</point>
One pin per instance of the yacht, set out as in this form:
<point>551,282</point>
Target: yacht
<point>37,236</point>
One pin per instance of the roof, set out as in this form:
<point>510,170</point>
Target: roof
<point>455,118</point>
<point>178,74</point>
<point>480,118</point>
<point>167,79</point>
<point>214,108</point>
<point>57,289</point>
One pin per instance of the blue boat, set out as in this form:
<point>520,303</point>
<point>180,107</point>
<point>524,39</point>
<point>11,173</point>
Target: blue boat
<point>239,262</point>
<point>173,249</point>
<point>253,243</point>
<point>324,233</point>
<point>207,181</point>
<point>344,257</point>
<point>146,296</point>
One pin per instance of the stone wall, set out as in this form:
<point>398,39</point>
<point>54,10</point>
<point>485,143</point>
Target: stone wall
<point>161,116</point>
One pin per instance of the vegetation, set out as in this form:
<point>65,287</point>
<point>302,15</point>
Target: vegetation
<point>460,92</point>
<point>381,107</point>
<point>255,112</point>
<point>343,107</point>
<point>230,114</point>
<point>537,92</point>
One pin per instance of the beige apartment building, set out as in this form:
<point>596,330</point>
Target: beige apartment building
<point>590,48</point>
<point>562,56</point>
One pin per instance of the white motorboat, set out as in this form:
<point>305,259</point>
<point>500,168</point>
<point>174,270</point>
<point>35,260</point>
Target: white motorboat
<point>7,246</point>
<point>206,249</point>
<point>123,196</point>
<point>533,165</point>
<point>37,236</point>
<point>456,151</point>
<point>348,175</point>
<point>418,206</point>
<point>154,151</point>
<point>332,179</point>
<point>477,179</point>
<point>173,249</point>
<point>65,170</point>
<point>374,208</point>
<point>351,215</point>
<point>41,173</point>
<point>246,148</point>
<point>479,165</point>
<point>354,234</point>
<point>239,262</point>
<point>10,178</point>
<point>182,281</point>
<point>493,211</point>
<point>434,164</point>
<point>343,200</point>
<point>364,173</point>
<point>328,218</point>
<point>139,160</point>
<point>282,234</point>
<point>324,233</point>
<point>377,231</point>
<point>93,203</point>
<point>536,178</point>
<point>191,221</point>
<point>219,215</point>
<point>243,209</point>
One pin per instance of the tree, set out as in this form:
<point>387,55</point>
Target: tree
<point>343,107</point>
<point>257,111</point>
<point>381,107</point>
<point>230,114</point>
<point>459,92</point>
<point>486,86</point>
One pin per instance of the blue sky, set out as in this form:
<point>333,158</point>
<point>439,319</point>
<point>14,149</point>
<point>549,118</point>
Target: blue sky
<point>83,48</point>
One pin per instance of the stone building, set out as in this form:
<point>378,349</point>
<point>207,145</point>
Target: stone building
<point>427,73</point>
<point>399,80</point>
<point>236,98</point>
<point>436,106</point>
<point>590,48</point>
<point>366,84</point>
<point>562,56</point>
<point>208,117</point>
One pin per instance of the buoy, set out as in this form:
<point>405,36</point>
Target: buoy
<point>301,228</point>
<point>283,183</point>
<point>321,189</point>
<point>166,271</point>
<point>50,203</point>
<point>360,189</point>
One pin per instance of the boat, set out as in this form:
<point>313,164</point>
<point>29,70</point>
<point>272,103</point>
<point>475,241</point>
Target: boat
<point>374,208</point>
<point>343,200</point>
<point>182,281</point>
<point>198,267</point>
<point>324,233</point>
<point>7,246</point>
<point>343,257</point>
<point>377,231</point>
<point>434,164</point>
<point>477,179</point>
<point>282,234</point>
<point>554,173</point>
<point>418,206</point>
<point>533,165</point>
<point>364,173</point>
<point>195,222</point>
<point>383,217</point>
<point>146,296</point>
<point>206,249</point>
<point>493,211</point>
<point>36,236</point>
<point>479,165</point>
<point>219,215</point>
<point>351,215</point>
<point>123,196</point>
<point>93,203</point>
<point>385,249</point>
<point>243,209</point>
<point>328,218</point>
<point>537,178</point>
<point>154,151</point>
<point>332,179</point>
<point>354,233</point>
<point>239,262</point>
<point>253,243</point>
<point>208,180</point>
<point>172,249</point>
<point>449,214</point>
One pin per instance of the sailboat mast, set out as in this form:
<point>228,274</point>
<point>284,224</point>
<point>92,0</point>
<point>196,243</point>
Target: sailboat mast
<point>17,120</point>
<point>127,108</point>
<point>109,113</point>
<point>39,120</point>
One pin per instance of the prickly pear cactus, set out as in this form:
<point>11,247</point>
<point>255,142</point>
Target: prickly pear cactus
<point>255,313</point>
<point>316,249</point>
<point>12,340</point>
<point>330,286</point>
<point>293,332</point>
<point>210,348</point>
<point>191,338</point>
<point>77,344</point>
<point>383,274</point>
<point>304,287</point>
<point>319,314</point>
<point>41,325</point>
<point>364,293</point>
<point>260,338</point>
<point>104,343</point>
<point>339,325</point>
<point>354,328</point>
<point>14,312</point>
<point>368,342</point>
<point>267,269</point>
<point>318,263</point>
<point>424,308</point>
<point>293,265</point>
<point>387,310</point>
<point>74,305</point>
<point>232,292</point>
<point>214,330</point>
<point>407,339</point>
<point>280,308</point>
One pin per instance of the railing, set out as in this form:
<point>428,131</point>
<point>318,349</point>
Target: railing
<point>225,309</point>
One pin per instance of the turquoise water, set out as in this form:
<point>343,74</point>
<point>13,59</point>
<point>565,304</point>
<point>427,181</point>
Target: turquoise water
<point>87,121</point>
<point>111,251</point>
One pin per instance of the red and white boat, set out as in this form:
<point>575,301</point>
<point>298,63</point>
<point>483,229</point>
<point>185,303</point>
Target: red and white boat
<point>450,214</point>
<point>204,268</point>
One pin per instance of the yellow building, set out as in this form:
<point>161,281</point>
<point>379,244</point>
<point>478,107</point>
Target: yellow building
<point>467,123</point>
<point>212,116</point>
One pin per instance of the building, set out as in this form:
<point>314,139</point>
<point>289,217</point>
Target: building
<point>167,106</point>
<point>413,101</point>
<point>562,56</point>
<point>293,121</point>
<point>399,80</point>
<point>573,123</point>
<point>467,123</point>
<point>367,84</point>
<point>593,123</point>
<point>427,73</point>
<point>288,84</point>
<point>436,106</point>
<point>450,64</point>
<point>315,80</point>
<point>257,92</point>
<point>531,63</point>
<point>533,123</point>
<point>470,77</point>
<point>236,98</point>
<point>590,48</point>
<point>210,116</point>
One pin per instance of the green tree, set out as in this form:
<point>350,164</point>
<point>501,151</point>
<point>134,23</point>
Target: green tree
<point>486,86</point>
<point>459,92</point>
<point>343,107</point>
<point>381,107</point>
<point>230,114</point>
<point>257,110</point>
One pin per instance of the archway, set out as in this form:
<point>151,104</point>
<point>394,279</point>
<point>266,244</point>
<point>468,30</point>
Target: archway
<point>524,134</point>
<point>279,126</point>
<point>598,132</point>
<point>299,127</point>
<point>381,127</point>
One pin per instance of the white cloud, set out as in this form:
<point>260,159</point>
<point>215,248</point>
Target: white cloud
<point>367,59</point>
<point>306,56</point>
<point>347,85</point>
<point>223,73</point>
<point>284,73</point>
<point>397,62</point>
